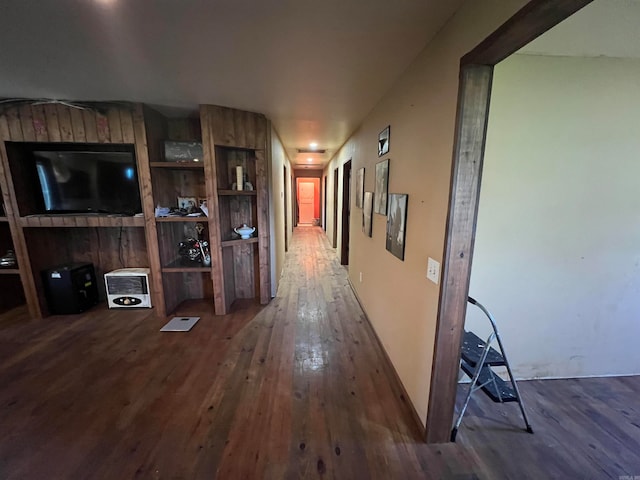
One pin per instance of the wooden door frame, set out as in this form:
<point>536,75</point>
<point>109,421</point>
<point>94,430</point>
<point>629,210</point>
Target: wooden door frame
<point>334,239</point>
<point>285,200</point>
<point>474,93</point>
<point>346,212</point>
<point>324,203</point>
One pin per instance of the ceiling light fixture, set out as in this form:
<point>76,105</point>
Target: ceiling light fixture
<point>309,159</point>
<point>313,145</point>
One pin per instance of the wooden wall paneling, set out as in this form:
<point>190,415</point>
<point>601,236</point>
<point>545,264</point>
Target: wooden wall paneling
<point>4,127</point>
<point>90,127</point>
<point>148,208</point>
<point>251,125</point>
<point>102,126</point>
<point>15,127</point>
<point>207,115</point>
<point>26,121</point>
<point>12,293</point>
<point>53,126</point>
<point>40,123</point>
<point>224,204</point>
<point>157,132</point>
<point>126,125</point>
<point>115,127</point>
<point>263,226</point>
<point>243,270</point>
<point>261,132</point>
<point>184,129</point>
<point>239,128</point>
<point>216,124</point>
<point>64,121</point>
<point>77,125</point>
<point>228,255</point>
<point>228,137</point>
<point>174,291</point>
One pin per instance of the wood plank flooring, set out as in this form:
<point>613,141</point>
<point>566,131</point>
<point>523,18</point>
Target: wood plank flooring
<point>297,389</point>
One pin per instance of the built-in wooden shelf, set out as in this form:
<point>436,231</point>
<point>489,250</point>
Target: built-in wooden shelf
<point>9,271</point>
<point>3,219</point>
<point>176,165</point>
<point>237,192</point>
<point>181,219</point>
<point>183,266</point>
<point>239,241</point>
<point>81,221</point>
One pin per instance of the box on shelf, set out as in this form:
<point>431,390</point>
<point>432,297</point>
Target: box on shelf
<point>183,151</point>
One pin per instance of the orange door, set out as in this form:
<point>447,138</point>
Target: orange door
<point>306,196</point>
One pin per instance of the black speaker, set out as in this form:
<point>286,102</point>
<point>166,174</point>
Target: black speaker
<point>70,288</point>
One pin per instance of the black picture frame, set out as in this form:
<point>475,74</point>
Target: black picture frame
<point>384,137</point>
<point>397,224</point>
<point>381,187</point>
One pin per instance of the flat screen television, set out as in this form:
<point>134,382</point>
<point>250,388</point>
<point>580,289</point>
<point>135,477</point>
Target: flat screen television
<point>88,180</point>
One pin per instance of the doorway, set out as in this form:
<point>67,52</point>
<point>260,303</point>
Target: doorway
<point>308,201</point>
<point>476,74</point>
<point>346,213</point>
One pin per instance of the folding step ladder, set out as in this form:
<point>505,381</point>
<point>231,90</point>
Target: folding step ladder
<point>477,358</point>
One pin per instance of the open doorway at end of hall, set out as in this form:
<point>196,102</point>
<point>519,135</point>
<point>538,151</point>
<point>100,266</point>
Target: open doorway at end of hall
<point>308,200</point>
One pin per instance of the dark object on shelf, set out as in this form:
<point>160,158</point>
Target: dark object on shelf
<point>193,250</point>
<point>70,288</point>
<point>8,260</point>
<point>183,151</point>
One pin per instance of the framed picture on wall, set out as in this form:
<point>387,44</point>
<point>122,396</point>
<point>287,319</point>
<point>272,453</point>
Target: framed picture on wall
<point>367,214</point>
<point>383,141</point>
<point>396,224</point>
<point>382,184</point>
<point>359,187</point>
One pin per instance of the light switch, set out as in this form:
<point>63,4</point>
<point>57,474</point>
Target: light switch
<point>433,270</point>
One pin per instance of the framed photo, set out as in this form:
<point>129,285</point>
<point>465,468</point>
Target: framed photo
<point>382,184</point>
<point>367,213</point>
<point>396,224</point>
<point>187,203</point>
<point>383,141</point>
<point>359,187</point>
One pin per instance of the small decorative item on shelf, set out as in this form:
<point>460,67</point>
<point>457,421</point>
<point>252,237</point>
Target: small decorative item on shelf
<point>8,260</point>
<point>187,203</point>
<point>195,250</point>
<point>247,184</point>
<point>245,231</point>
<point>239,178</point>
<point>183,151</point>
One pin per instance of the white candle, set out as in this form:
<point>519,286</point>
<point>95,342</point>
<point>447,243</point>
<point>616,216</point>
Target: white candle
<point>239,184</point>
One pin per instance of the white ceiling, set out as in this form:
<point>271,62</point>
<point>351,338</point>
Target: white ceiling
<point>314,67</point>
<point>609,28</point>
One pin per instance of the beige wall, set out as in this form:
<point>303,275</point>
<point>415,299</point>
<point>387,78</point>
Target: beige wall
<point>557,254</point>
<point>277,211</point>
<point>398,299</point>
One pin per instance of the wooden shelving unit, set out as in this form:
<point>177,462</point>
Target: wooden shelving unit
<point>239,268</point>
<point>43,241</point>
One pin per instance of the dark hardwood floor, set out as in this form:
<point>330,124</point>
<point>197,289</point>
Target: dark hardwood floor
<point>297,389</point>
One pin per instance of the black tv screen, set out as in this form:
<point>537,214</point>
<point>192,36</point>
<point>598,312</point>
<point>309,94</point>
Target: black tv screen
<point>87,181</point>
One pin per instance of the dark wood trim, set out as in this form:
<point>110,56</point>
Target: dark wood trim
<point>285,195</point>
<point>474,92</point>
<point>530,22</point>
<point>346,213</point>
<point>473,105</point>
<point>334,237</point>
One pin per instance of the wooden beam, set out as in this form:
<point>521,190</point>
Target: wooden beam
<point>471,126</point>
<point>535,18</point>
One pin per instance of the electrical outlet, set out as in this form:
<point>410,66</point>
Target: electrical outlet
<point>360,277</point>
<point>433,270</point>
